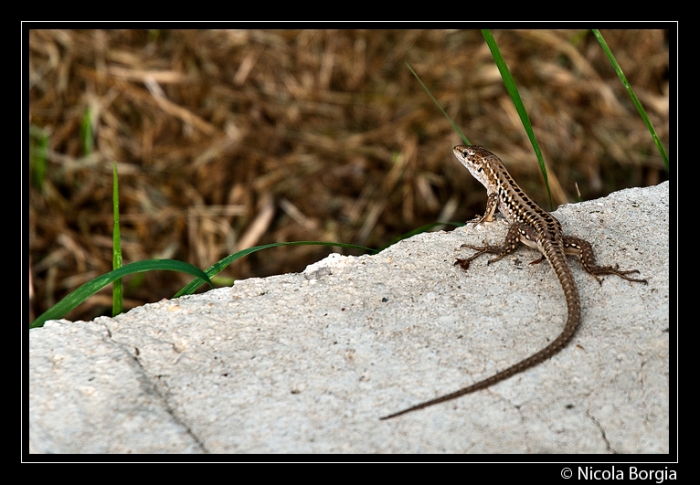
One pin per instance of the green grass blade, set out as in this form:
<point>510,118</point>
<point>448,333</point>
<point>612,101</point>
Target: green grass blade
<point>83,292</point>
<point>38,149</point>
<point>117,287</point>
<point>220,265</point>
<point>86,133</point>
<point>454,125</point>
<point>420,230</point>
<point>512,89</point>
<point>635,100</point>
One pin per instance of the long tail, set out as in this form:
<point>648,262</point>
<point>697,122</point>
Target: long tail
<point>574,316</point>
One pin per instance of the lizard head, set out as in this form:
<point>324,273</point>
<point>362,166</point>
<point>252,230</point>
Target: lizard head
<point>477,160</point>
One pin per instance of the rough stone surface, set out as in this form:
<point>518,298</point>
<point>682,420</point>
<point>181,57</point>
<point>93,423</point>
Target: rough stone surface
<point>308,362</point>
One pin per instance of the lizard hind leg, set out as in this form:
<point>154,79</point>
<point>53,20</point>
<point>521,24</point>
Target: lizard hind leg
<point>582,249</point>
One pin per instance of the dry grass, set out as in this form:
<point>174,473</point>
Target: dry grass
<point>227,139</point>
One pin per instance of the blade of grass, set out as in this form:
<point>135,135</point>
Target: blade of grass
<point>86,133</point>
<point>220,265</point>
<point>422,229</point>
<point>454,125</point>
<point>117,286</point>
<point>88,289</point>
<point>512,89</point>
<point>635,100</point>
<point>38,149</point>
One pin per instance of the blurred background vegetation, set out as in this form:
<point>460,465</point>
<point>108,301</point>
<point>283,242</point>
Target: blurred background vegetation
<point>230,139</point>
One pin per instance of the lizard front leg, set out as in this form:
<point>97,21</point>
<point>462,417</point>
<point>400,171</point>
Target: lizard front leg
<point>491,206</point>
<point>517,233</point>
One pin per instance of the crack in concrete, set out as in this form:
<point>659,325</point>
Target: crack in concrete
<point>602,433</point>
<point>150,387</point>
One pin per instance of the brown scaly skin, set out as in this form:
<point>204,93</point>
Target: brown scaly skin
<point>534,227</point>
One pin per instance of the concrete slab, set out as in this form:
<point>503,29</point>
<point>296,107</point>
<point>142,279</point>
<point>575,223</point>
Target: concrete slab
<point>308,362</point>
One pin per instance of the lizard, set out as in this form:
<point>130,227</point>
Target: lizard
<point>534,227</point>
